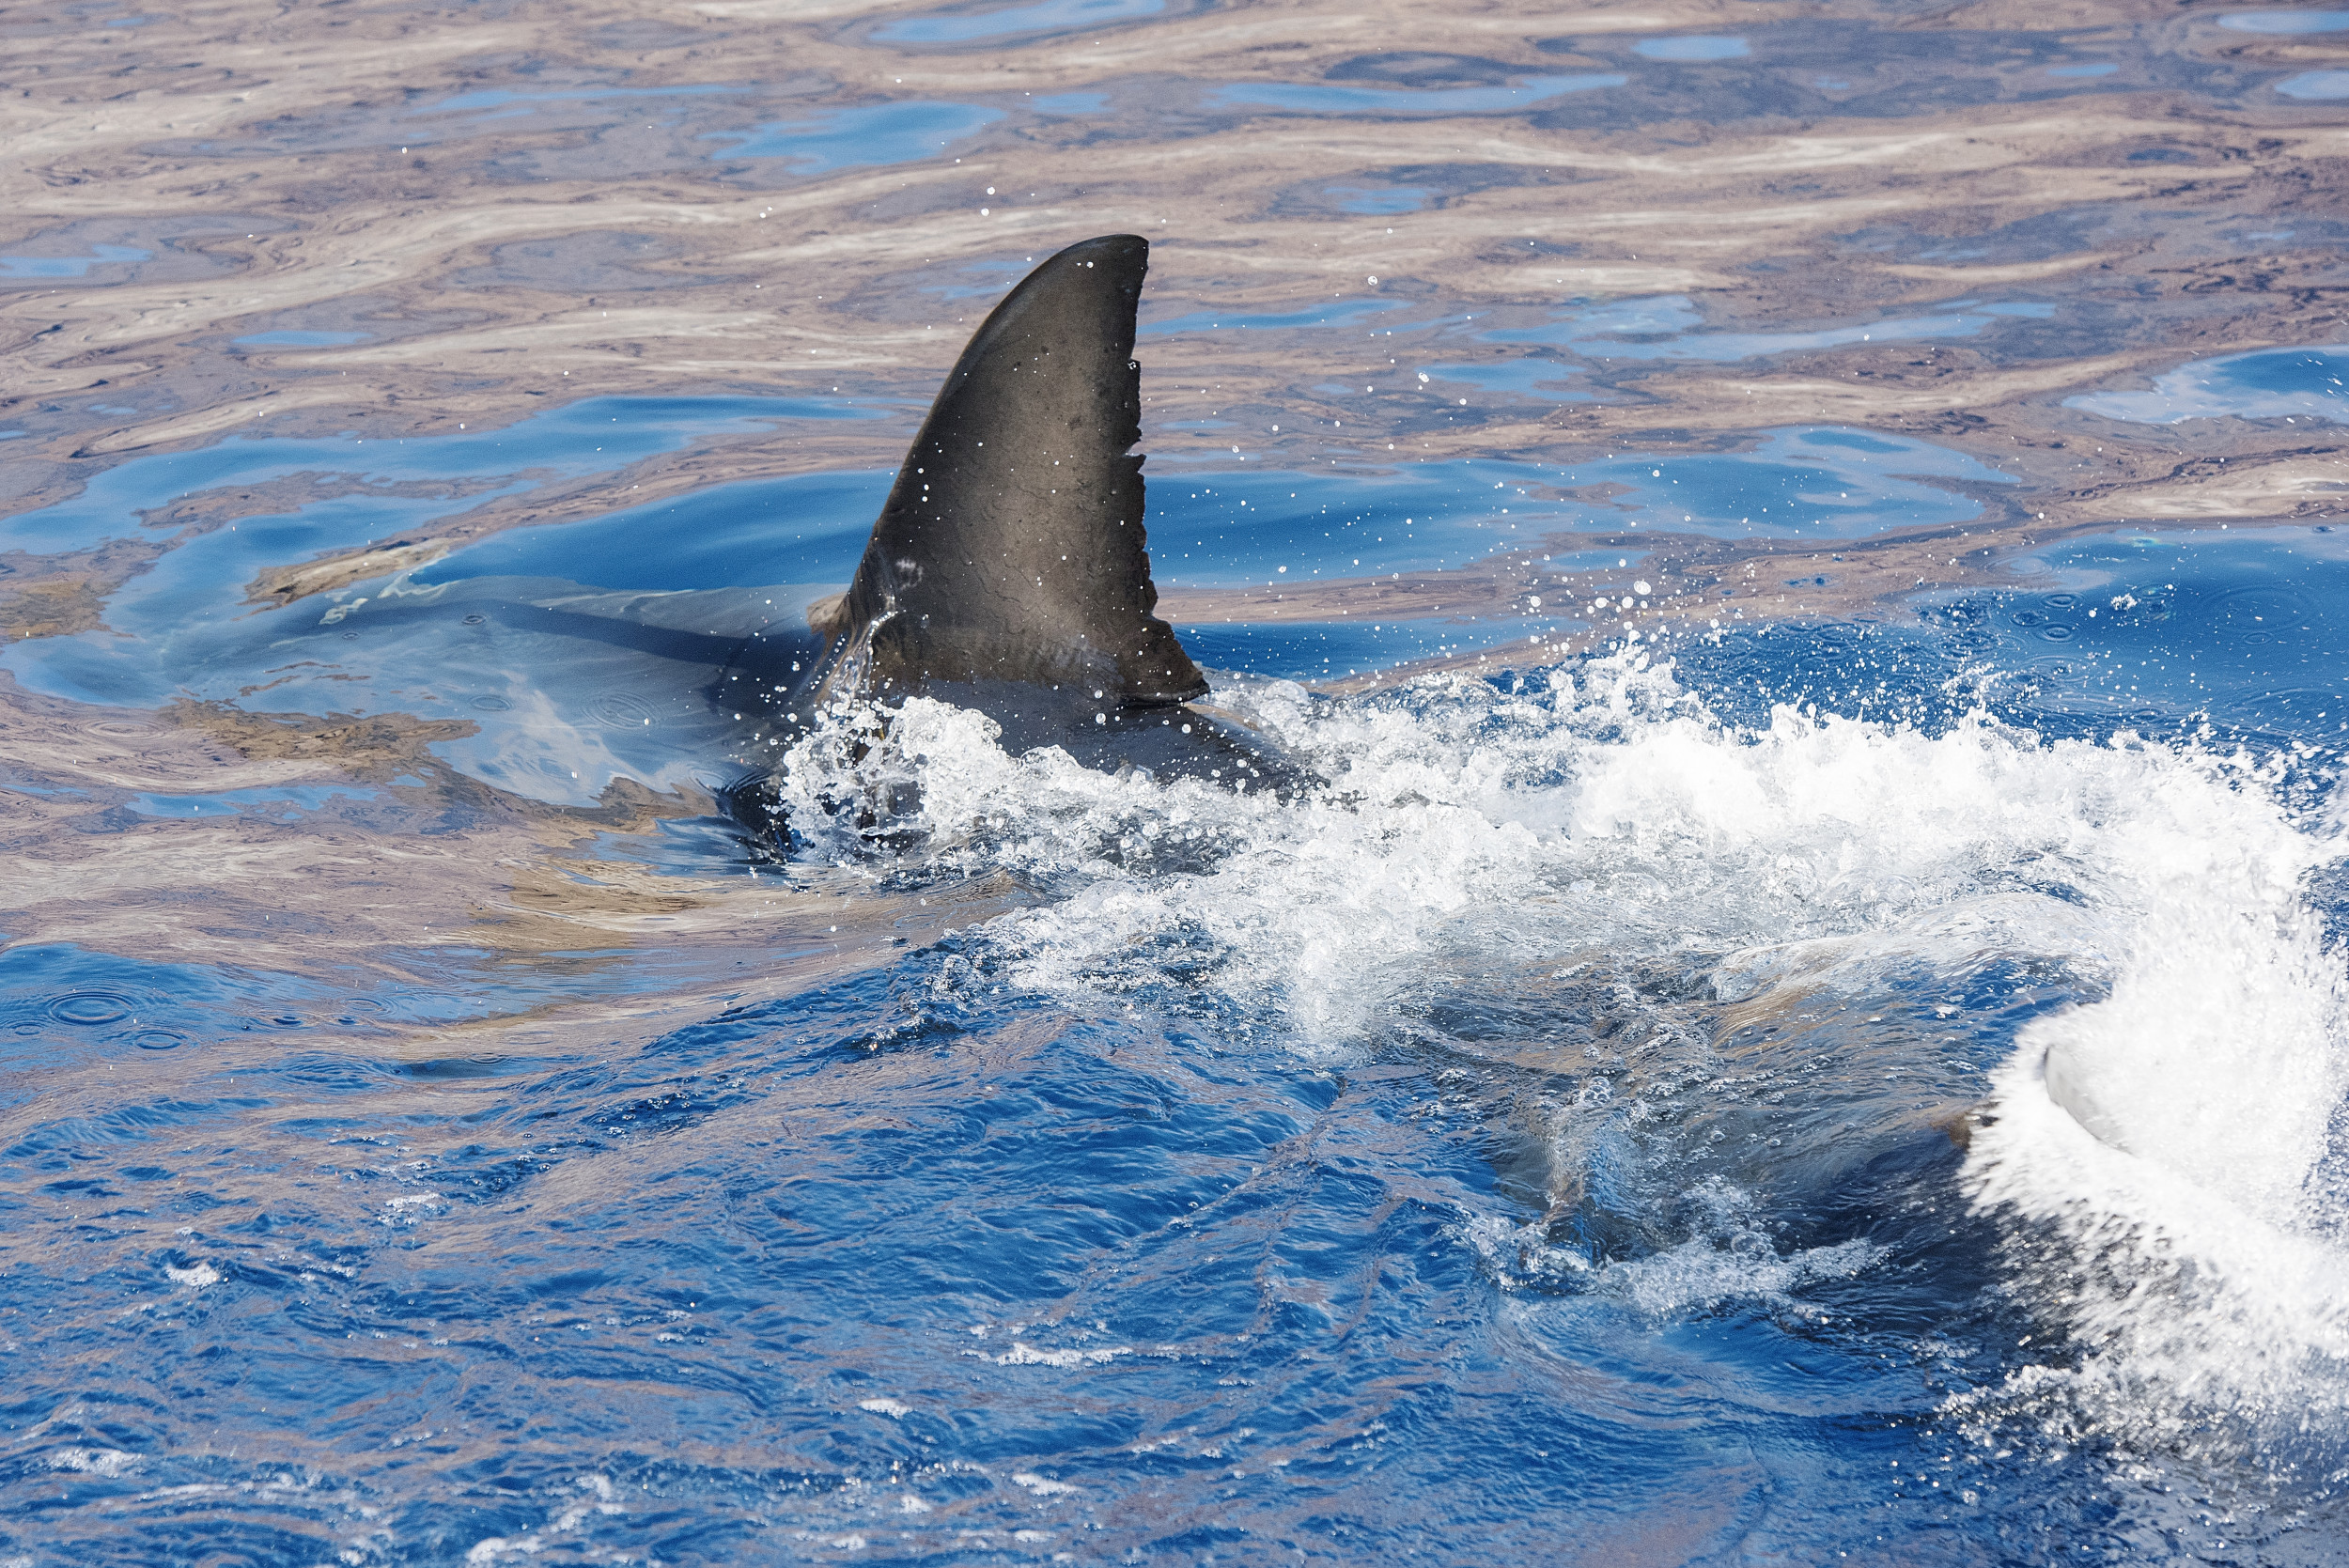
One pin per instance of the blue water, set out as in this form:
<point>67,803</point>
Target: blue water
<point>2161,631</point>
<point>499,98</point>
<point>1549,381</point>
<point>69,266</point>
<point>2315,86</point>
<point>1243,525</point>
<point>2286,21</point>
<point>987,1242</point>
<point>2273,383</point>
<point>1693,47</point>
<point>1813,483</point>
<point>1423,1225</point>
<point>287,802</point>
<point>1316,97</point>
<point>1653,318</point>
<point>806,528</point>
<point>180,627</point>
<point>591,436</point>
<point>1339,313</point>
<point>2244,625</point>
<point>1828,1071</point>
<point>1338,650</point>
<point>300,339</point>
<point>1044,16</point>
<point>878,133</point>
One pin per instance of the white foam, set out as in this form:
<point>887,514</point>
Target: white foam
<point>1464,823</point>
<point>1607,811</point>
<point>1024,1355</point>
<point>1731,1260</point>
<point>2172,1158</point>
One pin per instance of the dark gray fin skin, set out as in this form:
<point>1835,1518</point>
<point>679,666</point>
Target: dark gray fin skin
<point>1011,548</point>
<point>1009,571</point>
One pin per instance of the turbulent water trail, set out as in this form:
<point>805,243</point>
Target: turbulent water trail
<point>1834,1134</point>
<point>2161,1143</point>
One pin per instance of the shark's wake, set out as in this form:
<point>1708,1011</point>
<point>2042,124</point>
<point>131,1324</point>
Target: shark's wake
<point>1713,959</point>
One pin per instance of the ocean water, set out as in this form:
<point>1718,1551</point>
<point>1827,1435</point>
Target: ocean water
<point>1802,1016</point>
<point>1612,1120</point>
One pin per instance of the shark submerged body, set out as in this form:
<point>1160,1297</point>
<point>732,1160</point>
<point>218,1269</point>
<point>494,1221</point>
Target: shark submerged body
<point>1008,572</point>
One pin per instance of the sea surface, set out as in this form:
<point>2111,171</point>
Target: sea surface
<point>1805,1020</point>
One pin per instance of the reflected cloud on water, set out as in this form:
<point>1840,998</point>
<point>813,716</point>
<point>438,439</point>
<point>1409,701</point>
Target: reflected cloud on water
<point>1318,98</point>
<point>868,136</point>
<point>1693,48</point>
<point>1044,16</point>
<point>1669,315</point>
<point>2272,383</point>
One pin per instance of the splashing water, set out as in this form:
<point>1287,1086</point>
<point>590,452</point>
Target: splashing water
<point>2172,1159</point>
<point>2164,1152</point>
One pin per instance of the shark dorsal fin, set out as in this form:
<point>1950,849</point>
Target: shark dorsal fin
<point>1011,547</point>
